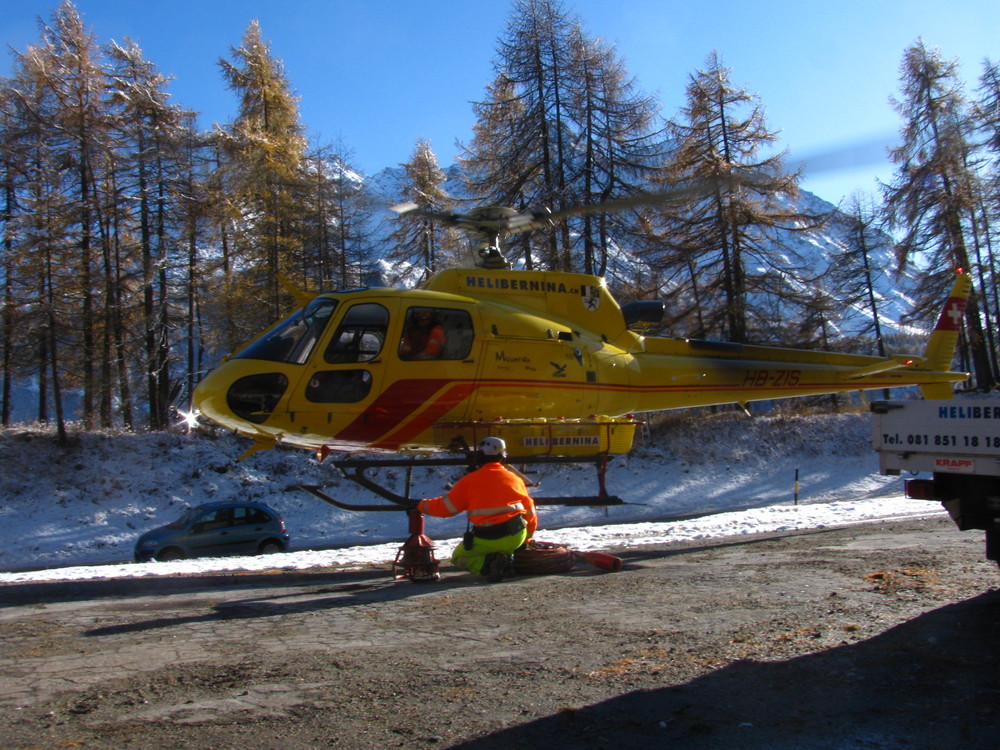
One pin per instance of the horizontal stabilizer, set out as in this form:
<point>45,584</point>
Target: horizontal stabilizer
<point>892,363</point>
<point>937,391</point>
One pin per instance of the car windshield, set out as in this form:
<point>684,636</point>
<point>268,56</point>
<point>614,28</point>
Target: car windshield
<point>184,520</point>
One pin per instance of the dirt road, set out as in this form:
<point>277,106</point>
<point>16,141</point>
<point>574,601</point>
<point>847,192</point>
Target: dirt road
<point>879,636</point>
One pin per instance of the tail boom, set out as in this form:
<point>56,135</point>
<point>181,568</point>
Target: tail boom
<point>679,373</point>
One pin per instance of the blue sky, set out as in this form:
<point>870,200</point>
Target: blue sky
<point>377,75</point>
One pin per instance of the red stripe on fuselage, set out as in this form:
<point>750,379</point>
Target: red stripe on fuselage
<point>426,419</point>
<point>400,401</point>
<point>409,407</point>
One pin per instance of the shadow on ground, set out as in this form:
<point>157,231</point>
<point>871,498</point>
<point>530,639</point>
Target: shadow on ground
<point>932,682</point>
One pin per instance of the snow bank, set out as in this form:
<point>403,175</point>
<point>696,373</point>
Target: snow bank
<point>86,503</point>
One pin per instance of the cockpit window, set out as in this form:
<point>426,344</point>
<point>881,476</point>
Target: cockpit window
<point>436,333</point>
<point>360,336</point>
<point>293,339</point>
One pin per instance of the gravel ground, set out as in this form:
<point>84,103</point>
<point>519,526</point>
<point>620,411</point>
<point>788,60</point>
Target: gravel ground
<point>882,635</point>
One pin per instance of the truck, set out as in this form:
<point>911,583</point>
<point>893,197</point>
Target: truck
<point>956,442</point>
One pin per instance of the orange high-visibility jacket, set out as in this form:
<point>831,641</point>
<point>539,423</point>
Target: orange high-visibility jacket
<point>489,495</point>
<point>419,343</point>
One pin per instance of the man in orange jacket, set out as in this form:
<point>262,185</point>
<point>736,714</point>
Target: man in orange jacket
<point>501,513</point>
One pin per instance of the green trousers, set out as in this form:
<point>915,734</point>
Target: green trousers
<point>472,559</point>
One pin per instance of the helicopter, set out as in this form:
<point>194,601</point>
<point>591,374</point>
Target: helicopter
<point>547,360</point>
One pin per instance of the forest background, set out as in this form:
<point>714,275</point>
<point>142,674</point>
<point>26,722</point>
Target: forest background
<point>136,248</point>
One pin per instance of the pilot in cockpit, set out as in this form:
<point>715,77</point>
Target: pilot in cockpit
<point>424,337</point>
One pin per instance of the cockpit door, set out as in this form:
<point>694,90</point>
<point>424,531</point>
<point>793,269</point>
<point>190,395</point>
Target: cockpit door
<point>346,372</point>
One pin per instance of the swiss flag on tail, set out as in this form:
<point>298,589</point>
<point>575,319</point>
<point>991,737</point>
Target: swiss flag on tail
<point>952,314</point>
<point>941,344</point>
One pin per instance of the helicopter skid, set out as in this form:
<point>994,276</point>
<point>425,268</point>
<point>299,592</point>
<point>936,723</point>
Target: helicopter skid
<point>416,559</point>
<point>355,470</point>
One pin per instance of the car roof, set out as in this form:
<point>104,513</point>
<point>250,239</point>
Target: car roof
<point>232,504</point>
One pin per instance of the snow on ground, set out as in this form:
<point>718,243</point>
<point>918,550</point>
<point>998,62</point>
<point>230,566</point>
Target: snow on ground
<point>75,512</point>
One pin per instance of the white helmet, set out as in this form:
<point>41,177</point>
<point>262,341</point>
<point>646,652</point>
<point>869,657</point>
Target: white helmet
<point>492,446</point>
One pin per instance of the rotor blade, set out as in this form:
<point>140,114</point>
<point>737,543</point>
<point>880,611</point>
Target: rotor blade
<point>681,191</point>
<point>497,220</point>
<point>491,220</point>
<point>404,208</point>
<point>409,208</point>
<point>848,156</point>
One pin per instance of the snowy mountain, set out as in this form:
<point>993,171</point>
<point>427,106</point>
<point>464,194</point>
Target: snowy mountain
<point>821,248</point>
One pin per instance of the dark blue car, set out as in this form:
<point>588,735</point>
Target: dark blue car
<point>233,528</point>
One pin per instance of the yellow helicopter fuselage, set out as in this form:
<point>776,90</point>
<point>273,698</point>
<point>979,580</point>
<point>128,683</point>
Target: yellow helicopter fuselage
<point>525,346</point>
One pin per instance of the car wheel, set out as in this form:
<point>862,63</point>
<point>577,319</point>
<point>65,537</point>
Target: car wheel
<point>270,547</point>
<point>170,554</point>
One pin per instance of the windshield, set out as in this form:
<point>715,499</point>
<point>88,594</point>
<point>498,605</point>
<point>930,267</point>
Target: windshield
<point>184,520</point>
<point>292,340</point>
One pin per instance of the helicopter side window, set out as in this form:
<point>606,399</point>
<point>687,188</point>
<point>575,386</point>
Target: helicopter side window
<point>436,333</point>
<point>360,335</point>
<point>339,386</point>
<point>293,339</point>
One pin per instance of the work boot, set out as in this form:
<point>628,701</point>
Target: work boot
<point>509,571</point>
<point>494,566</point>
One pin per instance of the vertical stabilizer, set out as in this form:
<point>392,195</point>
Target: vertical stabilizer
<point>941,345</point>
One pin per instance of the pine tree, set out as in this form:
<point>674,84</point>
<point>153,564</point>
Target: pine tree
<point>727,227</point>
<point>265,150</point>
<point>320,251</point>
<point>10,158</point>
<point>987,116</point>
<point>151,136</point>
<point>421,245</point>
<point>79,130</point>
<point>105,206</point>
<point>534,158</point>
<point>338,241</point>
<point>97,162</point>
<point>562,126</point>
<point>195,214</point>
<point>931,200</point>
<point>619,144</point>
<point>854,272</point>
<point>54,104</point>
<point>488,168</point>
